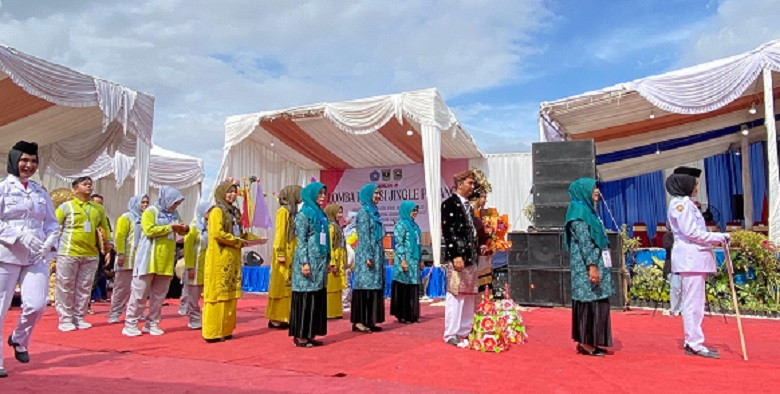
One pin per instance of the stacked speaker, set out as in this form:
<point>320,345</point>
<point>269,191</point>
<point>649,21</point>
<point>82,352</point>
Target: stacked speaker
<point>555,166</point>
<point>539,272</point>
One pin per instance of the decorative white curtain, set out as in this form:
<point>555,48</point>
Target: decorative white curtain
<point>510,175</point>
<point>250,158</point>
<point>69,88</point>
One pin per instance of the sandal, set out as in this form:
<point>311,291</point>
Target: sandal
<point>304,343</point>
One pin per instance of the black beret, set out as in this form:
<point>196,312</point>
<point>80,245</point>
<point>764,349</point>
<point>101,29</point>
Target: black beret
<point>694,172</point>
<point>31,148</point>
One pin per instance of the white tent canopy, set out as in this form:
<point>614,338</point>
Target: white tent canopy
<point>109,173</point>
<point>289,146</point>
<point>74,117</point>
<point>671,119</point>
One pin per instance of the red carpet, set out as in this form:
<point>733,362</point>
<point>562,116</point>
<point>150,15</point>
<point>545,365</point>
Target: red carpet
<point>647,356</point>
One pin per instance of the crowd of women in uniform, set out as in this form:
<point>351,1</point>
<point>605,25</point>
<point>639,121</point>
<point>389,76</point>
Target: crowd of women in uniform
<point>308,268</point>
<point>309,259</point>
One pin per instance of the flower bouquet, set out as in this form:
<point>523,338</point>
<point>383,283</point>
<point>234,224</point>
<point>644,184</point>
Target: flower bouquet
<point>497,325</point>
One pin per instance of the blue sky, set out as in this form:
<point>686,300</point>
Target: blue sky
<point>493,61</point>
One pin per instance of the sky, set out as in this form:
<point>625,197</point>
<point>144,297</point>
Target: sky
<point>494,61</point>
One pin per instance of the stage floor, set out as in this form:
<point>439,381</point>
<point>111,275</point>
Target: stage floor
<point>647,357</point>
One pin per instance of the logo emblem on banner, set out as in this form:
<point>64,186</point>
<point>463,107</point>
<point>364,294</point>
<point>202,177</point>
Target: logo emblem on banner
<point>385,174</point>
<point>398,174</point>
<point>374,176</point>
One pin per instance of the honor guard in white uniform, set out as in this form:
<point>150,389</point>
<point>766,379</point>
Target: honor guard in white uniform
<point>28,239</point>
<point>692,257</point>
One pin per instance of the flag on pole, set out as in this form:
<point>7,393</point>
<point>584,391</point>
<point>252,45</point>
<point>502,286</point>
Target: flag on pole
<point>261,217</point>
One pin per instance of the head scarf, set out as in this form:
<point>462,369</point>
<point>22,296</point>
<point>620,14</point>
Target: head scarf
<point>200,215</point>
<point>31,148</point>
<point>231,215</point>
<point>289,197</point>
<point>168,196</point>
<point>134,207</point>
<point>405,212</point>
<point>680,185</point>
<point>582,208</point>
<point>316,216</point>
<point>332,212</point>
<point>366,197</point>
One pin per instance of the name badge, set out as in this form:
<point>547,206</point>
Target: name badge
<point>87,226</point>
<point>323,239</point>
<point>606,258</point>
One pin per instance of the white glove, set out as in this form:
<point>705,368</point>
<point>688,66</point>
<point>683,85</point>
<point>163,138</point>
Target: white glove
<point>726,238</point>
<point>30,241</point>
<point>49,246</point>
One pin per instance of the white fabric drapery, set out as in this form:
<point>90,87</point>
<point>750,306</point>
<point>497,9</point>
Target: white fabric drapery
<point>273,172</point>
<point>90,115</point>
<point>510,175</point>
<point>424,110</point>
<point>109,174</point>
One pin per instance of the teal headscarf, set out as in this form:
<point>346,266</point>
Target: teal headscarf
<point>582,208</point>
<point>366,197</point>
<point>405,212</point>
<point>315,214</point>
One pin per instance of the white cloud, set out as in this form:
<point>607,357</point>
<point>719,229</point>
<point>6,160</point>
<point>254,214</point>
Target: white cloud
<point>205,60</point>
<point>737,27</point>
<point>506,128</point>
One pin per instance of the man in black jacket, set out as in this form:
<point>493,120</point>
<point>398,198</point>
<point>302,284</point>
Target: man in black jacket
<point>461,251</point>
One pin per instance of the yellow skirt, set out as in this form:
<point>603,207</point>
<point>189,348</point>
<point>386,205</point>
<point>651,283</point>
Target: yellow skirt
<point>219,319</point>
<point>278,309</point>
<point>334,305</point>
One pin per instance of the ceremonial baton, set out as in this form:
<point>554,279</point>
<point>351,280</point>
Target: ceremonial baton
<point>730,269</point>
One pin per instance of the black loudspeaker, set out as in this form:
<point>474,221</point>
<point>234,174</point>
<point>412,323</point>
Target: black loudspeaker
<point>539,271</point>
<point>542,249</point>
<point>737,207</point>
<point>555,166</point>
<point>540,287</point>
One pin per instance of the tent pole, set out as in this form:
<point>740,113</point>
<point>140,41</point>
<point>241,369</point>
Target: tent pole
<point>747,187</point>
<point>771,144</point>
<point>142,157</point>
<point>431,141</point>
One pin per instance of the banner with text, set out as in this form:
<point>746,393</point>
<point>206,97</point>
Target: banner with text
<point>396,183</point>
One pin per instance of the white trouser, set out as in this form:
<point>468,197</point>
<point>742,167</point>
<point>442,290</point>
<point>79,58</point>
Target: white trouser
<point>153,286</point>
<point>183,299</point>
<point>192,300</point>
<point>75,276</point>
<point>693,308</point>
<point>34,282</point>
<point>123,280</point>
<point>458,315</point>
<point>675,293</point>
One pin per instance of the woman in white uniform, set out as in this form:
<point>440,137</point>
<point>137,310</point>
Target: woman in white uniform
<point>692,257</point>
<point>28,239</point>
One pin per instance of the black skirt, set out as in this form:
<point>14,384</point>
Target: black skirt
<point>405,302</point>
<point>368,307</point>
<point>590,322</point>
<point>308,314</point>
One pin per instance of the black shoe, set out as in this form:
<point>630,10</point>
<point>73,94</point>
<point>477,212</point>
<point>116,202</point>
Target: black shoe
<point>23,357</point>
<point>355,328</point>
<point>214,340</point>
<point>706,353</point>
<point>315,342</point>
<point>278,325</point>
<point>585,352</point>
<point>375,328</point>
<point>453,341</point>
<point>600,351</point>
<point>303,343</point>
<point>3,374</point>
<point>229,337</point>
